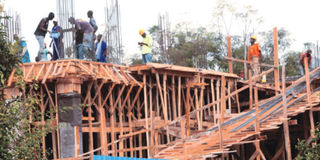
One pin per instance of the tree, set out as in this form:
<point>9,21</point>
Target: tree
<point>311,150</point>
<point>292,63</point>
<point>19,138</point>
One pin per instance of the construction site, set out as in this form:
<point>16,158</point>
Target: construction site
<point>166,111</point>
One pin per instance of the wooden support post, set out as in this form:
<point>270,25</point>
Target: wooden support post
<point>257,125</point>
<point>201,103</point>
<point>229,54</point>
<point>237,97</point>
<point>174,107</point>
<point>112,121</point>
<point>77,145</point>
<point>285,115</point>
<point>179,96</point>
<point>223,97</point>
<point>90,127</point>
<point>53,135</point>
<point>42,108</point>
<point>146,110</point>
<point>130,126</point>
<point>306,69</point>
<point>151,119</point>
<point>218,111</point>
<point>165,111</point>
<point>213,99</point>
<point>140,135</point>
<point>57,119</point>
<point>120,113</point>
<point>188,111</point>
<point>197,107</point>
<point>163,102</point>
<point>229,99</point>
<point>250,90</point>
<point>276,61</point>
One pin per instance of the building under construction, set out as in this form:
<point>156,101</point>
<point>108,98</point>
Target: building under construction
<point>171,112</point>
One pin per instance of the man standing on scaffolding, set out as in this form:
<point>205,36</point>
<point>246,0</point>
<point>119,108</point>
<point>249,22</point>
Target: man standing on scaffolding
<point>56,35</point>
<point>254,55</point>
<point>146,47</point>
<point>84,28</point>
<point>42,30</point>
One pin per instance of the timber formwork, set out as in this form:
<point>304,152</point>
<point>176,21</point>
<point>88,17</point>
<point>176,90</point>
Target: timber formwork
<point>167,111</point>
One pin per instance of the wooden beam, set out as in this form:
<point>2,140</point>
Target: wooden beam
<point>229,54</point>
<point>306,69</point>
<point>223,97</point>
<point>250,90</point>
<point>146,109</point>
<point>285,115</point>
<point>276,60</point>
<point>249,62</point>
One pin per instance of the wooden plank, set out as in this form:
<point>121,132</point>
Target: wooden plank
<point>187,112</point>
<point>11,77</point>
<point>213,99</point>
<point>28,74</point>
<point>47,73</point>
<point>174,107</point>
<point>39,73</point>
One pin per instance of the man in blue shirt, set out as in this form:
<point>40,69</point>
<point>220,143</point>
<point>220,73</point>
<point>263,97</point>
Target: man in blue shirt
<point>56,36</point>
<point>25,57</point>
<point>101,49</point>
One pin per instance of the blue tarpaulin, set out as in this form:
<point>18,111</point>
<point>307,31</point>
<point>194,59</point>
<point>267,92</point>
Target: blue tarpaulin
<point>97,157</point>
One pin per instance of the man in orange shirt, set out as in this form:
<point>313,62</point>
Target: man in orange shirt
<point>254,55</point>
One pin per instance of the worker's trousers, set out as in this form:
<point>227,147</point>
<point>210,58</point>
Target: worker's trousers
<point>255,67</point>
<point>87,44</point>
<point>146,58</point>
<point>41,45</point>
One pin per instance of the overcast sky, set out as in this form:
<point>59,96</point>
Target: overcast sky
<point>297,16</point>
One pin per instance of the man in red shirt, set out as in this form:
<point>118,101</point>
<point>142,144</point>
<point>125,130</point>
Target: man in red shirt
<point>308,55</point>
<point>254,55</point>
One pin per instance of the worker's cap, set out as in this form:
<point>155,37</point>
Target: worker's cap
<point>253,37</point>
<point>141,31</point>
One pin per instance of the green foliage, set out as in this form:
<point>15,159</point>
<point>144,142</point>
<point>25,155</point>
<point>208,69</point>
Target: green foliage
<point>19,138</point>
<point>292,63</point>
<point>309,151</point>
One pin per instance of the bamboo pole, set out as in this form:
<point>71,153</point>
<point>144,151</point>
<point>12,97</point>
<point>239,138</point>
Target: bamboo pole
<point>57,119</point>
<point>218,111</point>
<point>42,108</point>
<point>165,111</point>
<point>285,115</point>
<point>112,121</point>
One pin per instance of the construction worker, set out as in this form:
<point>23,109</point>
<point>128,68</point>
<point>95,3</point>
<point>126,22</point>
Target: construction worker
<point>302,56</point>
<point>146,47</point>
<point>93,25</point>
<point>56,35</point>
<point>101,49</point>
<point>24,54</point>
<point>42,30</point>
<point>254,55</point>
<point>87,30</point>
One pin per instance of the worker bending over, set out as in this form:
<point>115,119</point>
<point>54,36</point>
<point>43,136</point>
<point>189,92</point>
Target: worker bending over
<point>146,47</point>
<point>254,55</point>
<point>308,55</point>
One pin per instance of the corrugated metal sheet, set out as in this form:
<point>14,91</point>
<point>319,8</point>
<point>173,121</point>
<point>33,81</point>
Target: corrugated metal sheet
<point>98,157</point>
